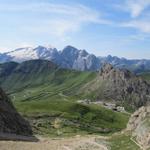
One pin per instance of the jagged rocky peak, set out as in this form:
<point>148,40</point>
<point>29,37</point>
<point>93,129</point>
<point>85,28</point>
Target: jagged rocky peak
<point>83,53</point>
<point>70,48</point>
<point>139,124</point>
<point>43,48</point>
<point>106,68</point>
<point>70,51</point>
<point>124,86</point>
<point>10,121</point>
<point>108,71</point>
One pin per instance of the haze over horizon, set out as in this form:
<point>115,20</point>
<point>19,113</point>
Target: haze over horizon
<point>118,28</point>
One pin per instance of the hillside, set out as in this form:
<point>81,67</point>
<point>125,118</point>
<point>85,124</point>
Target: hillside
<point>10,120</point>
<point>41,73</point>
<point>15,75</point>
<point>139,124</point>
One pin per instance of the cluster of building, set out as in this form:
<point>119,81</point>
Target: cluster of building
<point>107,105</point>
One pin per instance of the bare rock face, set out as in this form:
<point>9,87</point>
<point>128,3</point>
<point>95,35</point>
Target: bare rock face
<point>139,124</point>
<point>10,121</point>
<point>121,84</point>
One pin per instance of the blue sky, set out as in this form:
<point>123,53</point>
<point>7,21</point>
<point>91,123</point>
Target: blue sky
<point>102,27</point>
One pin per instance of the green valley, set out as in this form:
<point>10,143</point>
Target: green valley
<point>66,103</point>
<point>47,95</point>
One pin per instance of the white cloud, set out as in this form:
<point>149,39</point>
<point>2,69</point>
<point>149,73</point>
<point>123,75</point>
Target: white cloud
<point>60,19</point>
<point>11,45</point>
<point>55,27</point>
<point>47,8</point>
<point>25,44</point>
<point>143,26</point>
<point>58,23</point>
<point>136,7</point>
<point>3,49</point>
<point>139,18</point>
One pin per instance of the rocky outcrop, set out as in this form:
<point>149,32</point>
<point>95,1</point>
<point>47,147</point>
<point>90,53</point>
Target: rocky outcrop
<point>10,121</point>
<point>119,85</point>
<point>139,124</point>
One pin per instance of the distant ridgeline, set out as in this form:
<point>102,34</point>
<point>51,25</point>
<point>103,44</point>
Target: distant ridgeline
<point>119,85</point>
<point>73,58</point>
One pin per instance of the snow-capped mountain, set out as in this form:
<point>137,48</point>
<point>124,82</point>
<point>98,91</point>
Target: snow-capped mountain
<point>28,53</point>
<point>69,57</point>
<point>73,58</point>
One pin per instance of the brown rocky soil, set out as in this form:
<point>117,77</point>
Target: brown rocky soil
<point>74,143</point>
<point>139,124</point>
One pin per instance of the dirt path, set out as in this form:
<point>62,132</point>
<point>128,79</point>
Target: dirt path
<point>74,143</point>
<point>142,148</point>
<point>64,96</point>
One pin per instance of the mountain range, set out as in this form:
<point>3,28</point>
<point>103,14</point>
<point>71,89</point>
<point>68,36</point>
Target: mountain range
<point>73,58</point>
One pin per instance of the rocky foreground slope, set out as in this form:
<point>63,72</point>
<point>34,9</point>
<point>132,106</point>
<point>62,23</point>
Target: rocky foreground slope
<point>10,120</point>
<point>119,85</point>
<point>71,143</point>
<point>139,124</point>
